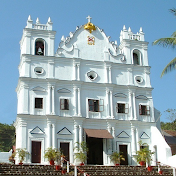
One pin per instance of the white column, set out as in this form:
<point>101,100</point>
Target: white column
<point>106,74</point>
<point>74,71</point>
<point>79,103</point>
<point>134,106</point>
<point>75,96</point>
<point>113,141</point>
<point>110,81</point>
<point>111,105</point>
<point>48,103</point>
<point>133,134</point>
<point>75,136</point>
<point>25,103</point>
<point>53,104</point>
<point>108,102</point>
<point>130,105</point>
<point>80,134</point>
<point>49,134</point>
<point>78,72</point>
<point>53,136</point>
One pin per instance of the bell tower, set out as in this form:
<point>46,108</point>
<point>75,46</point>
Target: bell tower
<point>38,39</point>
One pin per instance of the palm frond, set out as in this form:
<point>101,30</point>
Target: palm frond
<point>169,67</point>
<point>174,34</point>
<point>166,42</point>
<point>173,11</point>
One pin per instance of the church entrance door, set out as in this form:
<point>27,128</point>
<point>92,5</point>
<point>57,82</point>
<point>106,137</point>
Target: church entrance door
<point>36,152</point>
<point>64,146</point>
<point>124,150</point>
<point>95,154</point>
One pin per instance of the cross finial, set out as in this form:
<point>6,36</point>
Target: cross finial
<point>89,18</point>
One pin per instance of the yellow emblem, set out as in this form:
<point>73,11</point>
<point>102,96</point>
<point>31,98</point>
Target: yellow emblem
<point>91,40</point>
<point>89,26</point>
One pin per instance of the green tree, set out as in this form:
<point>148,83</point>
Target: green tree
<point>7,137</point>
<point>168,42</point>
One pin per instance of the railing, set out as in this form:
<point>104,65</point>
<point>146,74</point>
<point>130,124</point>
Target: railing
<point>39,26</point>
<point>134,37</point>
<point>159,164</point>
<point>75,168</point>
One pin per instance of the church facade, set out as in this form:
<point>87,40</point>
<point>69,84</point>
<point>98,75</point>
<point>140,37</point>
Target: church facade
<point>90,89</point>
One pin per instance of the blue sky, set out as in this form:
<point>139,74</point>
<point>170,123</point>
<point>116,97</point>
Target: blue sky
<point>152,15</point>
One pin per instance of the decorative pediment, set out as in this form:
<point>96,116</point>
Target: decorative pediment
<point>63,90</point>
<point>121,95</point>
<point>77,45</point>
<point>37,130</point>
<point>64,131</point>
<point>144,136</point>
<point>39,89</point>
<point>123,134</point>
<point>143,97</point>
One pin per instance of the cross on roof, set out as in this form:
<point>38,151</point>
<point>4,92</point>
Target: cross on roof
<point>89,18</point>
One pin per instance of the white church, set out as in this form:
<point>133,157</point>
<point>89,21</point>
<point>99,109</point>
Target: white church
<point>91,89</point>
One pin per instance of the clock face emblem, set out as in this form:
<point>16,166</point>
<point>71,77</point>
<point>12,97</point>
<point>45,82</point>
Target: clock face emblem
<point>91,40</point>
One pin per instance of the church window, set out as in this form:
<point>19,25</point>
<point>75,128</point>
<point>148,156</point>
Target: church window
<point>39,103</point>
<point>96,105</point>
<point>38,70</point>
<point>136,57</point>
<point>122,108</point>
<point>39,47</point>
<point>92,75</point>
<point>64,104</point>
<point>139,79</point>
<point>144,110</point>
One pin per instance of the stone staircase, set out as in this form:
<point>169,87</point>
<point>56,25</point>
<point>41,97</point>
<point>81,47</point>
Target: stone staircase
<point>30,170</point>
<point>124,170</point>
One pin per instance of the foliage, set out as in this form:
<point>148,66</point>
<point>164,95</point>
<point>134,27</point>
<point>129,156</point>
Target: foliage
<point>81,146</point>
<point>21,154</point>
<point>116,157</point>
<point>81,156</point>
<point>168,125</point>
<point>81,151</point>
<point>144,154</point>
<point>168,42</point>
<point>170,115</point>
<point>53,154</point>
<point>7,137</point>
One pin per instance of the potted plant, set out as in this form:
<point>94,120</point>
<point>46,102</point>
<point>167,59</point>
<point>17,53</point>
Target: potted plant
<point>116,157</point>
<point>144,155</point>
<point>81,152</point>
<point>58,156</point>
<point>50,154</point>
<point>21,154</point>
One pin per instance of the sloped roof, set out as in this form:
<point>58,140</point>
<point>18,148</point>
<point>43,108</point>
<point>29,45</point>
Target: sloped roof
<point>170,137</point>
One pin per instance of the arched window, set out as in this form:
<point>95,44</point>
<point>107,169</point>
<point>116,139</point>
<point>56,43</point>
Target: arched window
<point>136,57</point>
<point>39,47</point>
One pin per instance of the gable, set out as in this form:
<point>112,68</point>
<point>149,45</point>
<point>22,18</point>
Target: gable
<point>37,130</point>
<point>89,46</point>
<point>121,95</point>
<point>63,90</point>
<point>64,131</point>
<point>142,97</point>
<point>123,134</point>
<point>39,89</point>
<point>144,136</point>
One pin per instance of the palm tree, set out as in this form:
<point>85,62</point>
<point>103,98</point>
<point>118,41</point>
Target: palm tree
<point>168,42</point>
